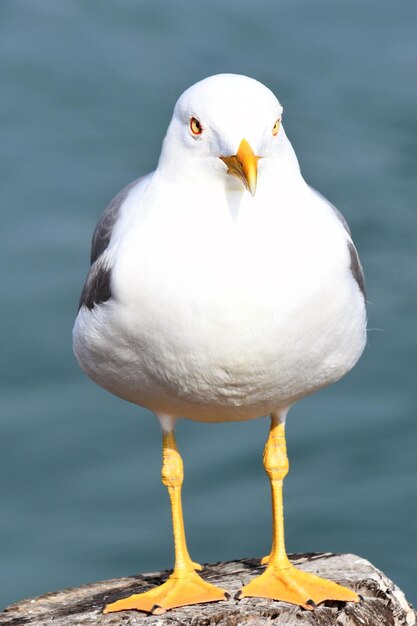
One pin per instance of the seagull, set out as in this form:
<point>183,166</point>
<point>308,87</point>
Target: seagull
<point>223,287</point>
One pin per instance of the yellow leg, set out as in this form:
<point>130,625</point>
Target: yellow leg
<point>281,580</point>
<point>184,586</point>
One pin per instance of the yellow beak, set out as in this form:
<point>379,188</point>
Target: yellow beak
<point>244,165</point>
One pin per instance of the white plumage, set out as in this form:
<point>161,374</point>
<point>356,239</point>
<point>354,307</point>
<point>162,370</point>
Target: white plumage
<point>223,306</point>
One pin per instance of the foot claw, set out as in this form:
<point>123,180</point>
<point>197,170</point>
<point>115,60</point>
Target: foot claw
<point>238,594</point>
<point>197,566</point>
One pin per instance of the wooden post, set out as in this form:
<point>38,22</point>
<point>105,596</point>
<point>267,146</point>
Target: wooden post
<point>382,603</point>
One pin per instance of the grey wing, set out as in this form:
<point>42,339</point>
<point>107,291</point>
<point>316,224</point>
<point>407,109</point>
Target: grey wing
<point>355,264</point>
<point>97,287</point>
<point>356,268</point>
<point>104,228</point>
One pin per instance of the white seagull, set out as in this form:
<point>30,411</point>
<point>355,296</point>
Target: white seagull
<point>223,287</point>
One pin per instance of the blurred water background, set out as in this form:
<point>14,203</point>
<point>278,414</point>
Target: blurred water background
<point>87,90</point>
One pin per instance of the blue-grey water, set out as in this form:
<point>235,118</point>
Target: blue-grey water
<point>86,93</point>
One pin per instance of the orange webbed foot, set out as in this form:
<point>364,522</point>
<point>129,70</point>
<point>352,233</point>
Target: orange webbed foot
<point>292,585</point>
<point>179,590</point>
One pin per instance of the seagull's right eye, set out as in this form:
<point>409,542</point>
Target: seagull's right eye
<point>195,126</point>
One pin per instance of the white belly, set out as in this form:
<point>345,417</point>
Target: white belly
<point>232,323</point>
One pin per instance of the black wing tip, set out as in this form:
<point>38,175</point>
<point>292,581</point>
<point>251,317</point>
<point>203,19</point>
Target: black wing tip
<point>97,287</point>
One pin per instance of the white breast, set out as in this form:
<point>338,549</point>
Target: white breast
<point>225,310</point>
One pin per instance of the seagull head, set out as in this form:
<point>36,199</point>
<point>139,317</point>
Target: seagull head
<point>222,127</point>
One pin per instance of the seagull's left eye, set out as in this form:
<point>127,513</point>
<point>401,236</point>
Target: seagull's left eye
<point>195,126</point>
<point>275,128</point>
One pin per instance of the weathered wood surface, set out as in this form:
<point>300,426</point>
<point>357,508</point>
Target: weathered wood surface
<point>382,604</point>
